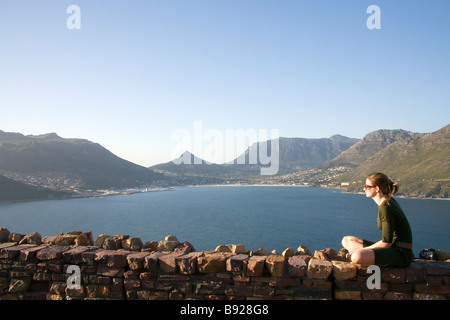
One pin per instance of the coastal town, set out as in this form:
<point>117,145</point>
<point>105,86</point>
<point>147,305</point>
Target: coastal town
<point>75,188</point>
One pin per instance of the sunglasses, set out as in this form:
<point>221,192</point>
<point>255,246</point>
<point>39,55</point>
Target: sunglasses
<point>366,186</point>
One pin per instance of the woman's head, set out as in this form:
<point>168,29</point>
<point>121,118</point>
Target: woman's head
<point>384,184</point>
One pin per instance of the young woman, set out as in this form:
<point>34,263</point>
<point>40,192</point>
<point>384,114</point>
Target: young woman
<point>395,246</point>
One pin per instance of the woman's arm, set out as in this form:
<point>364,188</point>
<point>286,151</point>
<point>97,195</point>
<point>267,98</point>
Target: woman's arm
<point>379,244</point>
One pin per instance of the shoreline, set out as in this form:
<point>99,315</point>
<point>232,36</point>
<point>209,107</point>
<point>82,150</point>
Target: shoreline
<point>305,186</point>
<point>171,188</point>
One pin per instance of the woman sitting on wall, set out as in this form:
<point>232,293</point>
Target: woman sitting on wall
<point>395,246</point>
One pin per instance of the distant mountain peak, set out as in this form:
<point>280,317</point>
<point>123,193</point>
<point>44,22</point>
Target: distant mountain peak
<point>47,136</point>
<point>189,158</point>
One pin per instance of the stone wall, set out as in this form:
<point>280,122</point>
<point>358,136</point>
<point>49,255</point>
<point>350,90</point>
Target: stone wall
<point>124,268</point>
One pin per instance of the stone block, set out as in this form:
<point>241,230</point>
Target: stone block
<point>19,285</point>
<point>187,264</point>
<point>255,266</point>
<point>289,252</point>
<point>168,244</point>
<point>31,238</point>
<point>302,250</point>
<point>112,244</point>
<point>7,244</point>
<point>150,246</point>
<point>131,284</point>
<point>74,255</point>
<point>173,277</point>
<point>415,272</point>
<point>232,248</point>
<point>13,251</point>
<point>284,282</point>
<point>84,239</point>
<point>262,252</point>
<point>58,287</point>
<point>65,240</point>
<point>132,244</point>
<point>115,259</point>
<point>100,240</point>
<point>136,260</point>
<point>88,256</point>
<point>184,248</point>
<point>106,271</point>
<point>438,268</point>
<point>296,266</point>
<point>343,270</point>
<point>28,254</point>
<point>319,269</point>
<point>75,292</point>
<point>151,261</point>
<point>15,237</point>
<point>212,263</point>
<point>348,295</point>
<point>237,263</point>
<point>4,234</point>
<point>168,263</point>
<point>275,265</point>
<point>395,275</point>
<point>51,252</point>
<point>425,296</point>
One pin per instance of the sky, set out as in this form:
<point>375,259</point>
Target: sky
<point>146,79</point>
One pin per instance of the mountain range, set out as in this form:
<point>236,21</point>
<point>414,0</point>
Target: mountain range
<point>85,162</point>
<point>419,164</point>
<point>418,161</point>
<point>295,154</point>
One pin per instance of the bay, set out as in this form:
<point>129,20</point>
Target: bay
<point>270,217</point>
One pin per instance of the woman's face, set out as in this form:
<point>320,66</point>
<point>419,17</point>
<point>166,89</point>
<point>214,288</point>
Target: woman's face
<point>370,189</point>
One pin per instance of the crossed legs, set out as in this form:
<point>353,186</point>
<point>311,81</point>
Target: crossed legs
<point>357,253</point>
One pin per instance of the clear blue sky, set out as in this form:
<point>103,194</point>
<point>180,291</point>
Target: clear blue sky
<point>137,71</point>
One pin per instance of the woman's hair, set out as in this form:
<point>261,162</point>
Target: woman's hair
<point>385,184</point>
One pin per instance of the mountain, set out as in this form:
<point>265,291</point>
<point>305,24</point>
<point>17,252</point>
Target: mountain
<point>420,165</point>
<point>294,154</point>
<point>191,165</point>
<point>49,155</point>
<point>11,190</point>
<point>368,146</point>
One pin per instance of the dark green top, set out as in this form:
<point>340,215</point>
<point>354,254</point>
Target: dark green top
<point>393,223</point>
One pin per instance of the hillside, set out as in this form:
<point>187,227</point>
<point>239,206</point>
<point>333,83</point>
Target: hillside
<point>88,163</point>
<point>11,190</point>
<point>420,165</point>
<point>368,146</point>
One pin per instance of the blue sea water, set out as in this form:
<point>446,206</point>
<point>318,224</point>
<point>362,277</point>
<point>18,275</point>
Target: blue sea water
<point>270,217</point>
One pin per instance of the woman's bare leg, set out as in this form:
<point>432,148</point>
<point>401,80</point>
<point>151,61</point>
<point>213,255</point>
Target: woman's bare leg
<point>352,243</point>
<point>363,257</point>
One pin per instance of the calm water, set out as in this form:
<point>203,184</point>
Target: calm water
<point>258,217</point>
